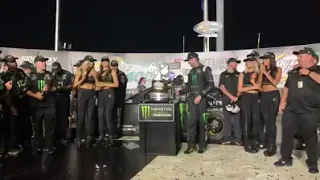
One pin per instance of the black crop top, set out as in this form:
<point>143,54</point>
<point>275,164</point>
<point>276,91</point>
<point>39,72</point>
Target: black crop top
<point>89,79</point>
<point>265,80</point>
<point>246,79</point>
<point>106,76</point>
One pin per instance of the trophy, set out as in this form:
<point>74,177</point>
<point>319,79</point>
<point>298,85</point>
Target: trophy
<point>160,87</point>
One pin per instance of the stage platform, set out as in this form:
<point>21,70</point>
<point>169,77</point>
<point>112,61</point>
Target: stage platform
<point>221,162</point>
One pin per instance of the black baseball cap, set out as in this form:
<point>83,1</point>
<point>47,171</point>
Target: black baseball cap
<point>89,58</point>
<point>249,59</point>
<point>230,60</point>
<point>56,65</point>
<point>40,58</point>
<point>78,64</point>
<point>9,58</point>
<point>268,55</point>
<point>105,58</point>
<point>192,55</point>
<point>306,50</point>
<point>114,63</point>
<point>26,65</point>
<point>253,54</point>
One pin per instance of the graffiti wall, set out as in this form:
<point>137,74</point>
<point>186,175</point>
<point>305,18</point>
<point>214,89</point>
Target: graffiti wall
<point>137,65</point>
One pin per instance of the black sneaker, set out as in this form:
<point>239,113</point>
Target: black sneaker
<point>282,162</point>
<point>78,142</point>
<point>251,148</point>
<point>300,146</point>
<point>201,150</point>
<point>313,170</point>
<point>237,143</point>
<point>226,142</point>
<point>13,152</point>
<point>49,151</point>
<point>271,151</point>
<point>190,150</point>
<point>111,140</point>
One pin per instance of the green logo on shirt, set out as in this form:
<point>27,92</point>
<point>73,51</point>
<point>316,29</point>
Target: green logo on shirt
<point>41,84</point>
<point>194,78</point>
<point>21,83</point>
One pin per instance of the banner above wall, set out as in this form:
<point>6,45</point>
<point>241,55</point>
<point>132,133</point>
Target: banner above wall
<point>137,65</point>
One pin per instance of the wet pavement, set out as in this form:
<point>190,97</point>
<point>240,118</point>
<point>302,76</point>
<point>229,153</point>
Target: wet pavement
<point>120,162</point>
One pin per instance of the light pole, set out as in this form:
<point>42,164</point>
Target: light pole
<point>206,28</point>
<point>206,40</point>
<point>56,36</point>
<point>220,20</point>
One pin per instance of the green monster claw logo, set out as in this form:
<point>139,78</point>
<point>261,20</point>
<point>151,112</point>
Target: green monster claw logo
<point>41,84</point>
<point>205,117</point>
<point>182,110</point>
<point>194,78</point>
<point>145,112</point>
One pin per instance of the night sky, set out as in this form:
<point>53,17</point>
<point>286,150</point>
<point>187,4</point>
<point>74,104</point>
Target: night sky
<point>154,25</point>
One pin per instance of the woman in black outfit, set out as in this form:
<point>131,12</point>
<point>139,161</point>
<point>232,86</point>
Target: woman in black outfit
<point>250,107</point>
<point>85,81</point>
<point>108,80</point>
<point>270,76</point>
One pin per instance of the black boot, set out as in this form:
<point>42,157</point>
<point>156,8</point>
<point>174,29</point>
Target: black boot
<point>88,141</point>
<point>250,147</point>
<point>271,151</point>
<point>111,140</point>
<point>78,142</point>
<point>100,139</point>
<point>191,148</point>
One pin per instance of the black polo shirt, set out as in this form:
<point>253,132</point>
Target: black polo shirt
<point>62,81</point>
<point>36,83</point>
<point>230,82</point>
<point>304,93</point>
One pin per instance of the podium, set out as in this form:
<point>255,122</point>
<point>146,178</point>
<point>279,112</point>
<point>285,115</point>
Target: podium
<point>159,126</point>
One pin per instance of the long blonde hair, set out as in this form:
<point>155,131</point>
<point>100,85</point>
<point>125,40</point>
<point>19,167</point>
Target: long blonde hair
<point>256,68</point>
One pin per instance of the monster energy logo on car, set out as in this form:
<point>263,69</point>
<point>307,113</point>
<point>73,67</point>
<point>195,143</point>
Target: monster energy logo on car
<point>41,84</point>
<point>194,78</point>
<point>145,112</point>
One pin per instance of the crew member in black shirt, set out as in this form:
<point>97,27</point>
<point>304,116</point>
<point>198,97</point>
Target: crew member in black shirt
<point>21,124</point>
<point>120,96</point>
<point>42,93</point>
<point>301,104</point>
<point>27,67</point>
<point>62,83</point>
<point>200,83</point>
<point>229,87</point>
<point>6,109</point>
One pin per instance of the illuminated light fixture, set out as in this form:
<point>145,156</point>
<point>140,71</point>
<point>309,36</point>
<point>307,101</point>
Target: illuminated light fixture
<point>207,28</point>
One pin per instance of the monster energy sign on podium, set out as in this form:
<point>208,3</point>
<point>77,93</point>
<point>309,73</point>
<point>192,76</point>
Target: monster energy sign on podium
<point>156,112</point>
